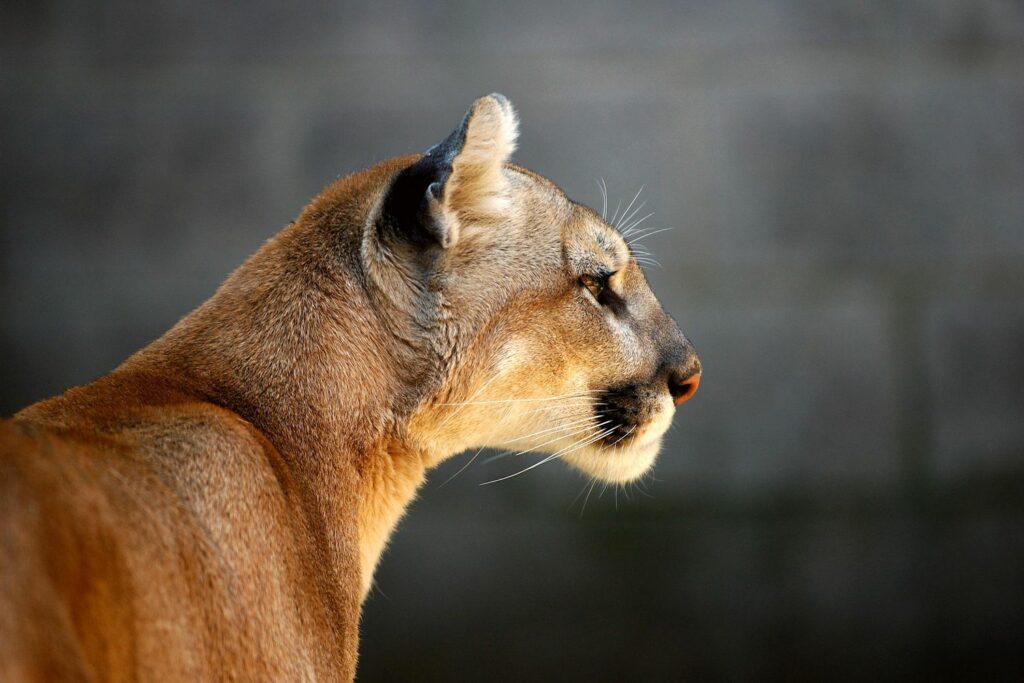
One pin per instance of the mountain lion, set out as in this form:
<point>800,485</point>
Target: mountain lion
<point>215,507</point>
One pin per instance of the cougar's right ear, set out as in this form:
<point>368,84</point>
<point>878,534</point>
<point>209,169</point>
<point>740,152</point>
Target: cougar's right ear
<point>458,180</point>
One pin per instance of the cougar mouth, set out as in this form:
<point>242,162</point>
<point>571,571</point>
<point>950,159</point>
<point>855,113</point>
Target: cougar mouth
<point>628,410</point>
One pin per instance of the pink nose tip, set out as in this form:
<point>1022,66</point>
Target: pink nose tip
<point>682,390</point>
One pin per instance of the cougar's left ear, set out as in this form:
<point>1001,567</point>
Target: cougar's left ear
<point>458,180</point>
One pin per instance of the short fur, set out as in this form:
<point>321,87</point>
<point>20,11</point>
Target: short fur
<point>215,507</point>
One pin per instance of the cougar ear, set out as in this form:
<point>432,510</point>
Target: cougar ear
<point>458,179</point>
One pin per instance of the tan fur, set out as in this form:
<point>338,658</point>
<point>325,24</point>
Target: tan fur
<point>215,507</point>
<point>477,187</point>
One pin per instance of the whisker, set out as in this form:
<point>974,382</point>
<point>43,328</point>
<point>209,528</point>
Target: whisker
<point>580,399</point>
<point>578,445</point>
<point>530,450</point>
<point>552,429</point>
<point>560,406</point>
<point>591,490</point>
<point>638,486</point>
<point>645,234</point>
<point>498,456</point>
<point>618,205</point>
<point>631,202</point>
<point>612,444</point>
<point>480,389</point>
<point>508,454</point>
<point>628,232</point>
<point>462,469</point>
<point>632,227</point>
<point>475,393</point>
<point>604,198</point>
<point>551,457</point>
<point>582,394</point>
<point>653,229</point>
<point>628,220</point>
<point>577,496</point>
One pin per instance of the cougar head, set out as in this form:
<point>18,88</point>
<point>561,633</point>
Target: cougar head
<point>543,333</point>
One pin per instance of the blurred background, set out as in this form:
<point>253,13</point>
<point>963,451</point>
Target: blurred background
<point>844,498</point>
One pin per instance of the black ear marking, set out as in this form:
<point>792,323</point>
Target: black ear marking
<point>417,191</point>
<point>457,179</point>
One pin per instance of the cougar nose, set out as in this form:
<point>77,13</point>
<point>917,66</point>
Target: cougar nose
<point>683,382</point>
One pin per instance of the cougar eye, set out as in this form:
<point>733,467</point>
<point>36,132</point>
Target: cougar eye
<point>595,284</point>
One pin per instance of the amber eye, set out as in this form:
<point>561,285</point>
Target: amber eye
<point>596,284</point>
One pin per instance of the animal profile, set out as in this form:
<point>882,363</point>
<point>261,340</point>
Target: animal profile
<point>215,507</point>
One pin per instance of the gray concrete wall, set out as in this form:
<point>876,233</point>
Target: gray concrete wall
<point>844,500</point>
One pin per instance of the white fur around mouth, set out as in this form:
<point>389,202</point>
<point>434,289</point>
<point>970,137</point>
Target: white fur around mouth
<point>620,464</point>
<point>641,438</point>
<point>646,443</point>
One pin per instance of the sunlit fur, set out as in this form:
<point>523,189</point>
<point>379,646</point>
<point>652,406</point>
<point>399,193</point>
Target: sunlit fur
<point>553,341</point>
<point>215,507</point>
